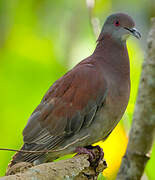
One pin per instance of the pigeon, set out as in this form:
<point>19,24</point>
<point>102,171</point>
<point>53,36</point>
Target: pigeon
<point>85,105</point>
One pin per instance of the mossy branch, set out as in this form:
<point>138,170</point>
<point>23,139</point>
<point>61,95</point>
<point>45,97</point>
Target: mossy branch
<point>77,168</point>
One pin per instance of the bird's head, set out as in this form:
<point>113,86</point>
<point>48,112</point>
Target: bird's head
<point>120,26</point>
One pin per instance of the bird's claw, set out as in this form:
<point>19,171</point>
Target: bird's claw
<point>83,150</point>
<point>100,150</point>
<point>94,157</point>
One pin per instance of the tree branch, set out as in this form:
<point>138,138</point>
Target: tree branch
<point>143,127</point>
<point>77,168</point>
<point>94,21</point>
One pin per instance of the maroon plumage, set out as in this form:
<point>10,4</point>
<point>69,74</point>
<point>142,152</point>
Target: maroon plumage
<point>86,104</point>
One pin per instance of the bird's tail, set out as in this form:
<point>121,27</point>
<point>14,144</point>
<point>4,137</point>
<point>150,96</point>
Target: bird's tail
<point>18,157</point>
<point>22,156</point>
<point>31,152</point>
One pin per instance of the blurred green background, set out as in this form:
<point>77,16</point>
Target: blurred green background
<point>39,41</point>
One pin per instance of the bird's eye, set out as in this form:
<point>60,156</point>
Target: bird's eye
<point>116,23</point>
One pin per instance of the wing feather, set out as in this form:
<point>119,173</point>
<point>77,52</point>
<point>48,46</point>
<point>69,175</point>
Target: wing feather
<point>69,105</point>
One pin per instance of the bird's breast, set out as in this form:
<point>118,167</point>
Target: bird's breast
<point>112,111</point>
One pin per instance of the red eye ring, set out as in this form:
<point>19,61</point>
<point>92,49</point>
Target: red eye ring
<point>116,23</point>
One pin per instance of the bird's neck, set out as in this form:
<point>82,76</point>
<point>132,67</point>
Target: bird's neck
<point>109,51</point>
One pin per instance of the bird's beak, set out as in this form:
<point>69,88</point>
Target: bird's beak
<point>134,32</point>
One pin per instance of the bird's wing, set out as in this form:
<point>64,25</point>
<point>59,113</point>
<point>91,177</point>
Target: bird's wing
<point>69,105</point>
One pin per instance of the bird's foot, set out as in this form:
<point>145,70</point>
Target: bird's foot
<point>95,154</point>
<point>97,163</point>
<point>100,152</point>
<point>85,150</point>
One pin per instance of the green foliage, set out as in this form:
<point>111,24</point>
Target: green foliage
<point>101,177</point>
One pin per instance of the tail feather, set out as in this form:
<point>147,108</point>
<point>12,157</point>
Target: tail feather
<point>31,157</point>
<point>27,157</point>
